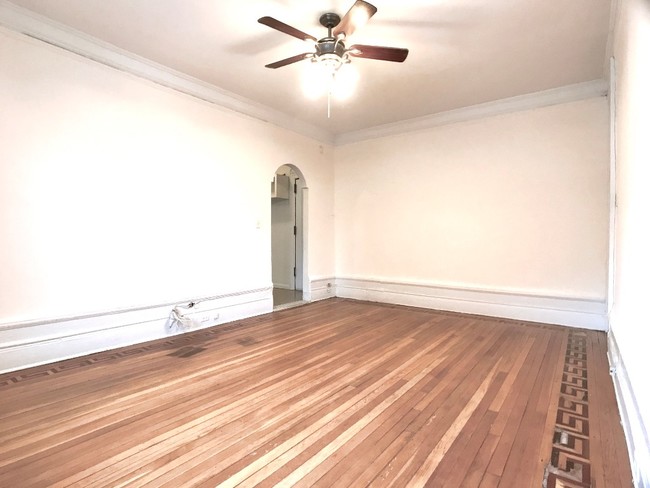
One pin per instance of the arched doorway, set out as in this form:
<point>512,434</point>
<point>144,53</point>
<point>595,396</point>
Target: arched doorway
<point>288,237</point>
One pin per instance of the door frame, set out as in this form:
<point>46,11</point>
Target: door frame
<point>301,245</point>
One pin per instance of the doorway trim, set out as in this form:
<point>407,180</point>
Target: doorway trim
<point>300,193</point>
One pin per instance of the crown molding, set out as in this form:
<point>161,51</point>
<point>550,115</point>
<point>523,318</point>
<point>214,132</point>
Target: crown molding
<point>614,15</point>
<point>555,96</point>
<point>43,29</point>
<point>36,26</point>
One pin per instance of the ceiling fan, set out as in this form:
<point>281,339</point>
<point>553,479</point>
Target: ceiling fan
<point>331,50</point>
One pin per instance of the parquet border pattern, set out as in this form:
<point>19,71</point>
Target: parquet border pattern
<point>570,465</point>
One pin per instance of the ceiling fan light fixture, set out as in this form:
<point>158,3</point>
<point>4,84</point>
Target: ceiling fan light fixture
<point>330,62</point>
<point>345,82</point>
<point>317,79</point>
<point>329,74</point>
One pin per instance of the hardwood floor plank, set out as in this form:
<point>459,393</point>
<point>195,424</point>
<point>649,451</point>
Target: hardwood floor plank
<point>333,420</point>
<point>439,408</point>
<point>431,463</point>
<point>601,390</point>
<point>489,481</point>
<point>548,405</point>
<point>511,413</point>
<point>393,431</point>
<point>522,465</point>
<point>476,471</point>
<point>112,468</point>
<point>357,370</point>
<point>334,393</point>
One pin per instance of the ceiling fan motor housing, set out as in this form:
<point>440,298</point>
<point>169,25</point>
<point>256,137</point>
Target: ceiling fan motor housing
<point>330,50</point>
<point>329,45</point>
<point>330,20</point>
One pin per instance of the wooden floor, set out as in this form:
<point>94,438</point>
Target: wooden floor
<point>335,393</point>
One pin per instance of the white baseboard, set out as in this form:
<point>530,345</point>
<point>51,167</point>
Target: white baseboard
<point>283,286</point>
<point>636,432</point>
<point>28,344</point>
<point>320,289</point>
<point>23,345</point>
<point>570,311</point>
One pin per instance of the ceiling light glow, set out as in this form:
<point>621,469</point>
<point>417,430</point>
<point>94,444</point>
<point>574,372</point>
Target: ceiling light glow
<point>345,82</point>
<point>329,75</point>
<point>317,80</point>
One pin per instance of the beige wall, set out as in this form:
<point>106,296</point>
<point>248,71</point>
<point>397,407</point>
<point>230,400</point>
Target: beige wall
<point>116,192</point>
<point>515,203</point>
<point>629,323</point>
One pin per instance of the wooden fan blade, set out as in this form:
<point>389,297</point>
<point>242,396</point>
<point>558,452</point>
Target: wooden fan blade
<point>356,18</point>
<point>395,54</point>
<point>287,29</point>
<point>291,60</point>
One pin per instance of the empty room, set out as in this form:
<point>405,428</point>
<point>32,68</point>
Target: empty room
<point>334,243</point>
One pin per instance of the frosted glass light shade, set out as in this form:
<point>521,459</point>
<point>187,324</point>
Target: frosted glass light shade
<point>321,78</point>
<point>345,82</point>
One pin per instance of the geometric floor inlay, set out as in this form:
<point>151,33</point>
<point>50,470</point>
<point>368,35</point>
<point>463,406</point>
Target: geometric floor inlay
<point>570,466</point>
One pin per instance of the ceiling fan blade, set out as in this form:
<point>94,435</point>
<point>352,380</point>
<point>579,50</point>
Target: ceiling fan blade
<point>356,18</point>
<point>395,54</point>
<point>291,60</point>
<point>287,29</point>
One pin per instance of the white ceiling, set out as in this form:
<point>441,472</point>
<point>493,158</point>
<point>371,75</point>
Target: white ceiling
<point>462,52</point>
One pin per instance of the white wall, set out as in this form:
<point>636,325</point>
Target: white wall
<point>630,327</point>
<point>116,192</point>
<point>512,204</point>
